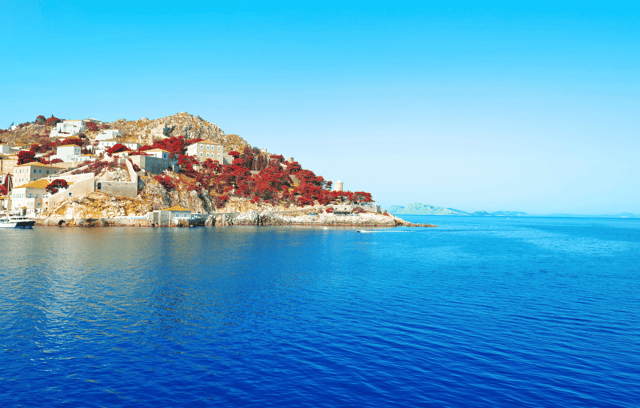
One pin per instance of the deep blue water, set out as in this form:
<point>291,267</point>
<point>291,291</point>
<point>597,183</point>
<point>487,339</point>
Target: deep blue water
<point>482,312</point>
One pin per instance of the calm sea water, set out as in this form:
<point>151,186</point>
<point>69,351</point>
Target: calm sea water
<point>482,312</point>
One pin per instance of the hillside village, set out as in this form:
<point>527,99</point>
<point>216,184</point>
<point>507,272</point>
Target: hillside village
<point>178,170</point>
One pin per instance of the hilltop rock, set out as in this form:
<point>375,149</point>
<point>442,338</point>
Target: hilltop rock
<point>145,131</point>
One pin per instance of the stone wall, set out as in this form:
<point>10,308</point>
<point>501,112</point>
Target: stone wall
<point>78,188</point>
<point>153,165</point>
<point>118,188</point>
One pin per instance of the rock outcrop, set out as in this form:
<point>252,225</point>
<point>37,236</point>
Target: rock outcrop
<point>145,131</point>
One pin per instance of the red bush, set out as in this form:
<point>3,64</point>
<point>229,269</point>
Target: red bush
<point>52,121</point>
<point>26,156</point>
<point>91,126</point>
<point>166,182</point>
<point>55,185</point>
<point>116,148</point>
<point>72,141</point>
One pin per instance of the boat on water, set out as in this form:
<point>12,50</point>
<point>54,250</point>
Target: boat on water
<point>16,221</point>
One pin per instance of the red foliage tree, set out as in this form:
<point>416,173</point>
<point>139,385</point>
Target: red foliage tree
<point>220,201</point>
<point>73,141</point>
<point>116,148</point>
<point>186,165</point>
<point>52,121</point>
<point>91,126</point>
<point>26,156</point>
<point>55,185</point>
<point>40,120</point>
<point>166,182</point>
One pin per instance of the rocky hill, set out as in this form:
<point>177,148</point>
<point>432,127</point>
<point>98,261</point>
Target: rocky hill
<point>145,131</point>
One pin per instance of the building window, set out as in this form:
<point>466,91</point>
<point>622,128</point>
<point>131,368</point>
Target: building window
<point>200,154</point>
<point>35,171</point>
<point>30,195</point>
<point>200,146</point>
<point>47,171</point>
<point>218,155</point>
<point>99,186</point>
<point>218,147</point>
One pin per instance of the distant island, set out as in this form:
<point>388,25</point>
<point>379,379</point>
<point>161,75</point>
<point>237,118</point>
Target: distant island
<point>426,209</point>
<point>423,209</point>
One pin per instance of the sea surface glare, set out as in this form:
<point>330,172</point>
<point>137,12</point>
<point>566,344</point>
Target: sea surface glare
<point>480,312</point>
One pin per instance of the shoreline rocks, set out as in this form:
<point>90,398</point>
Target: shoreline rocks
<point>248,218</point>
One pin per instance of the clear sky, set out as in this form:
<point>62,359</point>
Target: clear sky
<point>471,106</point>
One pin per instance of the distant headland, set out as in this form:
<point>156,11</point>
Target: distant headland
<point>426,209</point>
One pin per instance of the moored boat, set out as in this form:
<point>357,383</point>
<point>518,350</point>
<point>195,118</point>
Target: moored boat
<point>16,221</point>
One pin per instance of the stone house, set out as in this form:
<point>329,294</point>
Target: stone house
<point>7,165</point>
<point>205,149</point>
<point>26,173</point>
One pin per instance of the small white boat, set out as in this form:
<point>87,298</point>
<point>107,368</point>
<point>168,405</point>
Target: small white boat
<point>16,221</point>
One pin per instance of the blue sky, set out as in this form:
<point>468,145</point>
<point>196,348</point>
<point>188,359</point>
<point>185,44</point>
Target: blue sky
<point>476,107</point>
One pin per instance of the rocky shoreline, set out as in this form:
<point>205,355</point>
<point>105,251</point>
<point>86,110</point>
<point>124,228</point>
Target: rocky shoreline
<point>250,218</point>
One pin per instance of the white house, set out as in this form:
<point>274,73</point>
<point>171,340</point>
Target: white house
<point>66,153</point>
<point>68,128</point>
<point>106,144</point>
<point>159,153</point>
<point>109,134</point>
<point>205,149</point>
<point>85,157</point>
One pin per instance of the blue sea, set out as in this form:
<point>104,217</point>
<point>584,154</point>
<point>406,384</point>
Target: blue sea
<point>479,312</point>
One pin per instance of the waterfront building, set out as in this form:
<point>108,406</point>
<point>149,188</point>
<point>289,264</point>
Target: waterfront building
<point>170,216</point>
<point>28,197</point>
<point>26,173</point>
